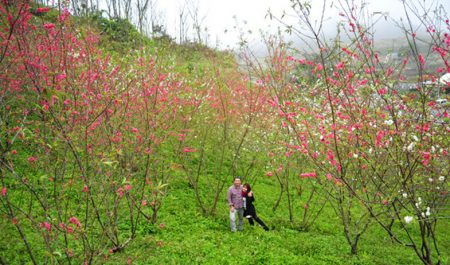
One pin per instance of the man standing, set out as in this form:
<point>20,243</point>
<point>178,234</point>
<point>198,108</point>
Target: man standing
<point>235,202</point>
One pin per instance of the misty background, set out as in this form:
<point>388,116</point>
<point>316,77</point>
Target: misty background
<point>224,24</point>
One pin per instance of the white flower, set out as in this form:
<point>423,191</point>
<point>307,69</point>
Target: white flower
<point>408,219</point>
<point>415,138</point>
<point>433,149</point>
<point>428,211</point>
<point>355,155</point>
<point>423,214</point>
<point>370,150</point>
<point>441,178</point>
<point>419,202</point>
<point>389,122</point>
<point>405,195</point>
<point>430,179</point>
<point>410,146</point>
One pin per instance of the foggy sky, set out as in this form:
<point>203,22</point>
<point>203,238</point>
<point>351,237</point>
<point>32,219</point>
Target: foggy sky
<point>224,19</point>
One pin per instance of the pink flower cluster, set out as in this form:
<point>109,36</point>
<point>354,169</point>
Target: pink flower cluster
<point>46,225</point>
<point>42,9</point>
<point>308,175</point>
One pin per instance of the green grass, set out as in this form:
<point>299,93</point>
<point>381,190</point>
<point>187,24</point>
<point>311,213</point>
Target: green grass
<point>190,238</point>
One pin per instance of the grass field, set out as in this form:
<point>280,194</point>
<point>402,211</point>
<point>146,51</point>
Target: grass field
<point>189,238</point>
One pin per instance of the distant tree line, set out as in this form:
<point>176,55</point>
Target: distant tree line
<point>145,15</point>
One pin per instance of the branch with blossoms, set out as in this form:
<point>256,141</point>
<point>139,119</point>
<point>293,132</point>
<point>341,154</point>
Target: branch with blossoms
<point>79,158</point>
<point>357,128</point>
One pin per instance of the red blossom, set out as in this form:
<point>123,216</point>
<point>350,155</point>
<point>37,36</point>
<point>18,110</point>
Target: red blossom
<point>75,221</point>
<point>308,175</point>
<point>340,65</point>
<point>389,71</point>
<point>46,225</point>
<point>426,158</point>
<point>382,91</point>
<point>363,82</point>
<point>379,138</point>
<point>181,136</point>
<point>3,191</point>
<point>65,14</point>
<point>60,77</point>
<point>49,26</point>
<point>121,192</point>
<point>188,150</point>
<point>421,59</point>
<point>42,9</point>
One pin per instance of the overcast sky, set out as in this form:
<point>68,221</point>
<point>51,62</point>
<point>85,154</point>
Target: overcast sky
<point>221,16</point>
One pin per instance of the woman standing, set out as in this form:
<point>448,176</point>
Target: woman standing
<point>249,208</point>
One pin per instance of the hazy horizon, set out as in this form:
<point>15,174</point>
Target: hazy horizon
<point>225,20</point>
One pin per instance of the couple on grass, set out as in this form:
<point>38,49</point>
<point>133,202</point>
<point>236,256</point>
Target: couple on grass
<point>240,199</point>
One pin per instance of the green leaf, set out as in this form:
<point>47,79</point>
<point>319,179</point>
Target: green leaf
<point>109,163</point>
<point>43,177</point>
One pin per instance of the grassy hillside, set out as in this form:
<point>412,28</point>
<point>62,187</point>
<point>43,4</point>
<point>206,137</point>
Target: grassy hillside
<point>189,238</point>
<point>183,236</point>
<point>103,172</point>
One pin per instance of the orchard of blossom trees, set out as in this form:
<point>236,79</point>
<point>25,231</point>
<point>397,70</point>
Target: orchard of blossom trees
<point>89,143</point>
